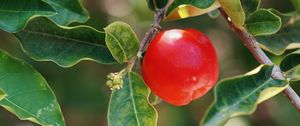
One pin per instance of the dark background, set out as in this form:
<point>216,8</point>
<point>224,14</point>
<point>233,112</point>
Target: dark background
<point>84,97</point>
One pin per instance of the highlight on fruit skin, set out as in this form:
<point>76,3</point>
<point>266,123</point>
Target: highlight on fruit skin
<point>180,66</point>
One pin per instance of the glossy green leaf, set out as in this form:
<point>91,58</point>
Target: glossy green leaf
<point>285,17</point>
<point>63,45</point>
<point>27,94</point>
<point>130,106</point>
<point>188,10</point>
<point>68,11</point>
<point>240,95</point>
<point>290,61</point>
<point>157,4</point>
<point>291,65</point>
<point>263,22</point>
<point>234,10</point>
<point>296,4</point>
<point>250,6</point>
<point>14,14</point>
<point>203,4</point>
<point>121,41</point>
<point>278,43</point>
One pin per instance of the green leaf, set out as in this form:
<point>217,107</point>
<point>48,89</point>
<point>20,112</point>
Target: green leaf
<point>240,95</point>
<point>291,65</point>
<point>296,4</point>
<point>14,14</point>
<point>130,106</point>
<point>189,10</point>
<point>285,17</point>
<point>27,94</point>
<point>290,61</point>
<point>250,6</point>
<point>202,4</point>
<point>157,4</point>
<point>121,41</point>
<point>68,11</point>
<point>63,45</point>
<point>263,22</point>
<point>278,43</point>
<point>234,10</point>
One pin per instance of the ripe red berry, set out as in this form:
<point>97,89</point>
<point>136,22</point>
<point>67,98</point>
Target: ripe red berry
<point>180,66</point>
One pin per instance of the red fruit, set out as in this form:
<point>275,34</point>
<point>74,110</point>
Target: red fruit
<point>180,66</point>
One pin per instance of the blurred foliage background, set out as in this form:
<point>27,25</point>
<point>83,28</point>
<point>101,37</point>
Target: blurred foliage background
<point>84,97</point>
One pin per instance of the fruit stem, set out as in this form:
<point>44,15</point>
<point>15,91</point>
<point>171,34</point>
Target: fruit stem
<point>252,45</point>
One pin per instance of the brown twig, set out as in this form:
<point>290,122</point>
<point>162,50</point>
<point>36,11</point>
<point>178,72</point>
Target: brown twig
<point>252,45</point>
<point>158,17</point>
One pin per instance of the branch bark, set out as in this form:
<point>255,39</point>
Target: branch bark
<point>158,17</point>
<point>155,28</point>
<point>252,45</point>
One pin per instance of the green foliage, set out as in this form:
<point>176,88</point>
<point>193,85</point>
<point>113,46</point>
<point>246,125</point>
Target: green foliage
<point>263,22</point>
<point>157,4</point>
<point>130,106</point>
<point>63,45</point>
<point>25,93</point>
<point>260,21</point>
<point>235,11</point>
<point>277,43</point>
<point>290,61</point>
<point>14,14</point>
<point>203,4</point>
<point>250,6</point>
<point>42,28</point>
<point>285,17</point>
<point>290,64</point>
<point>296,4</point>
<point>240,95</point>
<point>121,41</point>
<point>274,30</point>
<point>68,11</point>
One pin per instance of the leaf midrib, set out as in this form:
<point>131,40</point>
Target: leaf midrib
<point>261,22</point>
<point>27,11</point>
<point>284,34</point>
<point>247,96</point>
<point>31,114</point>
<point>133,101</point>
<point>242,98</point>
<point>119,44</point>
<point>64,38</point>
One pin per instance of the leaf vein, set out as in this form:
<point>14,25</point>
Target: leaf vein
<point>133,101</point>
<point>64,38</point>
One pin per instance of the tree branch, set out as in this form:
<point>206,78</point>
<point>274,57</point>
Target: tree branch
<point>155,28</point>
<point>252,45</point>
<point>158,17</point>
